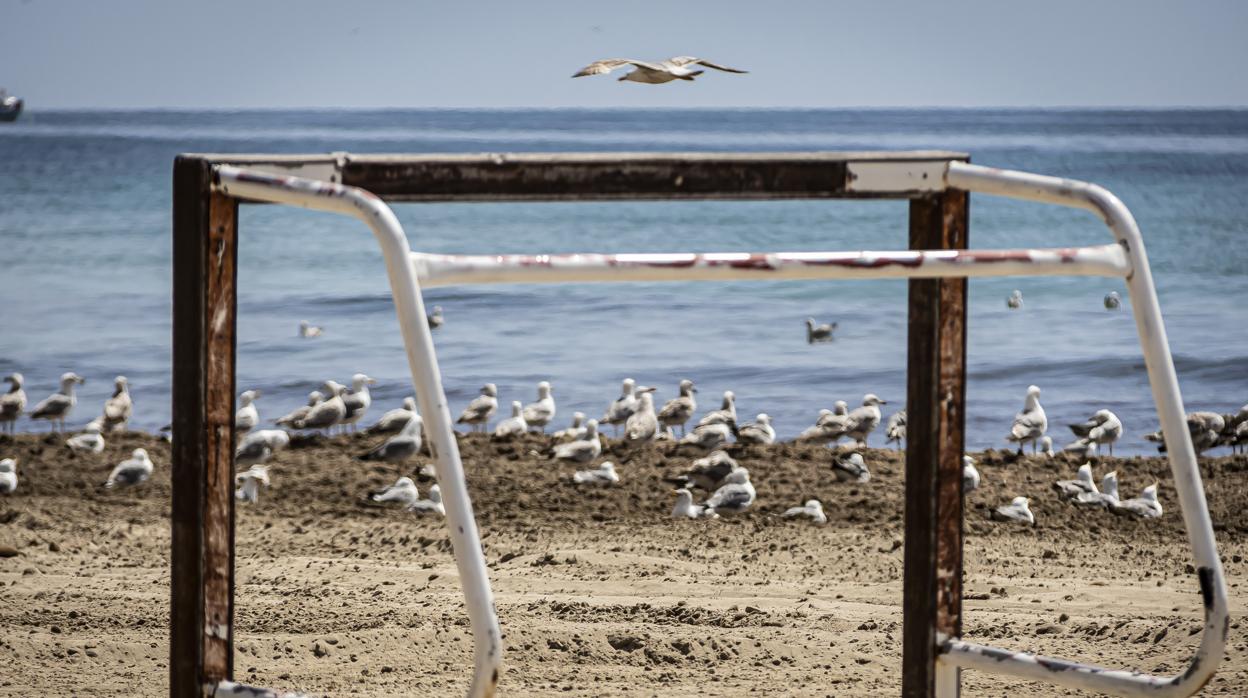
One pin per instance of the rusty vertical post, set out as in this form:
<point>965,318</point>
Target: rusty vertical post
<point>936,395</point>
<point>204,306</point>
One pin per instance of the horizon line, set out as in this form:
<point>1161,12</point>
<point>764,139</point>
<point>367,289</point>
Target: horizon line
<point>627,107</point>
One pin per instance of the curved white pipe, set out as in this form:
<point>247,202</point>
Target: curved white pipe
<point>426,377</point>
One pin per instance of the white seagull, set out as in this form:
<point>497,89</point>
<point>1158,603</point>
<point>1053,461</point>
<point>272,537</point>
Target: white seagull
<point>759,431</point>
<point>249,482</point>
<point>850,468</point>
<point>357,401</point>
<point>726,414</point>
<point>259,446</point>
<point>432,504</point>
<point>733,497</point>
<point>830,426</point>
<point>132,471</point>
<point>327,413</point>
<point>863,420</point>
<point>513,425</point>
<point>435,318</point>
<point>8,476</point>
<point>575,431</point>
<point>314,398</point>
<point>895,430</point>
<point>1103,428</point>
<point>583,450</point>
<point>57,406</point>
<point>478,412</point>
<point>247,416</point>
<point>89,441</point>
<point>13,402</point>
<point>538,414</point>
<point>812,510</point>
<point>708,473</point>
<point>707,436</point>
<point>819,333</point>
<point>1015,301</point>
<point>623,407</point>
<point>643,425</point>
<point>1144,506</point>
<point>1107,496</point>
<point>402,491</point>
<point>678,410</point>
<point>653,73</point>
<point>1082,484</point>
<point>307,329</point>
<point>119,407</point>
<point>1017,510</point>
<point>392,421</point>
<point>604,475</point>
<point>1031,423</point>
<point>970,475</point>
<point>685,508</point>
<point>400,447</point>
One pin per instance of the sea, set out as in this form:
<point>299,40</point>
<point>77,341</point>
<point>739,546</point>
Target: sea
<point>85,244</point>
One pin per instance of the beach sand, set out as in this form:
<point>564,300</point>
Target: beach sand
<point>599,592</point>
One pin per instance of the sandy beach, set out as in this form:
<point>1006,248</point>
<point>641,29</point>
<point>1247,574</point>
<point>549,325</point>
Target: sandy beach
<point>599,592</point>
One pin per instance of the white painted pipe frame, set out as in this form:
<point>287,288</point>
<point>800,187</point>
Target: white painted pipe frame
<point>1104,260</point>
<point>426,378</point>
<point>1187,483</point>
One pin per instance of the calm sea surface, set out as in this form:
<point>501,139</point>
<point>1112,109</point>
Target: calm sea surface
<point>85,243</point>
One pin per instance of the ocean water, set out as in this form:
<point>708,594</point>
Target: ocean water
<point>85,242</point>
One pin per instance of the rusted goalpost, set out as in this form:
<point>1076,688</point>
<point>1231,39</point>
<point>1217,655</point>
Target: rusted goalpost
<point>207,190</point>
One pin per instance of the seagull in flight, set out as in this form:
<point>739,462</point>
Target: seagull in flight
<point>677,68</point>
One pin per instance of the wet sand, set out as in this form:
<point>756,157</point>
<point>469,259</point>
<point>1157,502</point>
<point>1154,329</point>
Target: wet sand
<point>599,592</point>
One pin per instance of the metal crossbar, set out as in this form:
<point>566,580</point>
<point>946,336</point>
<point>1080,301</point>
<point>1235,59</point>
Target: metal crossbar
<point>1125,258</point>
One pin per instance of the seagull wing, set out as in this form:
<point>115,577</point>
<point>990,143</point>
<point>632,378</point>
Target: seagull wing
<point>681,61</point>
<point>609,64</point>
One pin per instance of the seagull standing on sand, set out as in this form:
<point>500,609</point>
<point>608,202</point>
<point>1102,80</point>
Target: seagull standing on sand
<point>812,510</point>
<point>247,416</point>
<point>759,431</point>
<point>513,425</point>
<point>733,497</point>
<point>538,414</point>
<point>400,447</point>
<point>685,508</point>
<point>314,398</point>
<point>132,471</point>
<point>1031,423</point>
<point>678,410</point>
<point>851,468</point>
<point>12,402</point>
<point>604,475</point>
<point>1144,506</point>
<point>819,333</point>
<point>1102,429</point>
<point>249,482</point>
<point>89,441</point>
<point>970,475</point>
<point>324,415</point>
<point>1016,510</point>
<point>119,407</point>
<point>863,420</point>
<point>895,430</point>
<point>307,329</point>
<point>623,407</point>
<point>653,73</point>
<point>583,450</point>
<point>402,491</point>
<point>57,406</point>
<point>1205,428</point>
<point>392,421</point>
<point>8,476</point>
<point>357,401</point>
<point>478,412</point>
<point>830,426</point>
<point>643,425</point>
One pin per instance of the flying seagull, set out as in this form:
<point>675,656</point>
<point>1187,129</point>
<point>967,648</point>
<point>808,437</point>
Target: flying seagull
<point>654,73</point>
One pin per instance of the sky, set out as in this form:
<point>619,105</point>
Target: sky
<point>498,54</point>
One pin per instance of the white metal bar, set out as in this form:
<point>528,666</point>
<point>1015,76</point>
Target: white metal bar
<point>426,377</point>
<point>448,270</point>
<point>1169,402</point>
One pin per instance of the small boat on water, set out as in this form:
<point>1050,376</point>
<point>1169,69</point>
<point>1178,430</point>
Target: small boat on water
<point>10,106</point>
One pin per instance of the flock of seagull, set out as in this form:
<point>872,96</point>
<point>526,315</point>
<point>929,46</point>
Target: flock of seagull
<point>635,421</point>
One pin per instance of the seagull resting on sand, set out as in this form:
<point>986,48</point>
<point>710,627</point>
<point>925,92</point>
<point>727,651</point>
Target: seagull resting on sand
<point>247,416</point>
<point>513,425</point>
<point>812,510</point>
<point>89,441</point>
<point>402,491</point>
<point>1144,506</point>
<point>584,449</point>
<point>8,476</point>
<point>400,447</point>
<point>1016,510</point>
<point>249,482</point>
<point>575,431</point>
<point>604,475</point>
<point>970,475</point>
<point>1082,484</point>
<point>759,431</point>
<point>851,468</point>
<point>685,508</point>
<point>733,497</point>
<point>1107,496</point>
<point>654,73</point>
<point>132,471</point>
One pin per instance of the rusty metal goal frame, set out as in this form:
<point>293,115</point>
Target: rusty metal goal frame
<point>207,190</point>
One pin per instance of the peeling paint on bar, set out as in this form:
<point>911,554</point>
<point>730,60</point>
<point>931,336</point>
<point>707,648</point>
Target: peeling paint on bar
<point>449,270</point>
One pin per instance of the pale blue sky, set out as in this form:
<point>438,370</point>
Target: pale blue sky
<point>231,53</point>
